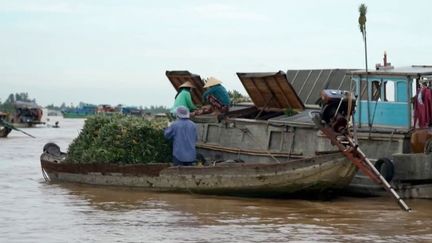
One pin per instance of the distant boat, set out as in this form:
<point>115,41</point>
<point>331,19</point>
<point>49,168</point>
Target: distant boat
<point>27,114</point>
<point>53,113</point>
<point>4,129</point>
<point>82,111</point>
<point>130,110</point>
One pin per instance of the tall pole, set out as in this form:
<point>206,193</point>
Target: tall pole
<point>362,25</point>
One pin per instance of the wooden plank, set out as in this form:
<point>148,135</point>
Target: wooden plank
<point>253,92</point>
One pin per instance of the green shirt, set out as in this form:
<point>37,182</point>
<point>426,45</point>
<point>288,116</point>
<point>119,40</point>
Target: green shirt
<point>184,98</point>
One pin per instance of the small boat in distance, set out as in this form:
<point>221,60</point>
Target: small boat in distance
<point>4,128</point>
<point>27,114</point>
<point>82,111</point>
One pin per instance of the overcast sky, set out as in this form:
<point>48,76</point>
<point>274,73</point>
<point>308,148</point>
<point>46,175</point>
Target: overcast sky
<point>117,51</point>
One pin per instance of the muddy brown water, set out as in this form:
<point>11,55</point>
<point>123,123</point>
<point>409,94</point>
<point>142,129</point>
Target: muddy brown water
<point>32,210</point>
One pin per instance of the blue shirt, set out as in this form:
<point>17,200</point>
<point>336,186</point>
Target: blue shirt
<point>183,132</point>
<point>219,92</point>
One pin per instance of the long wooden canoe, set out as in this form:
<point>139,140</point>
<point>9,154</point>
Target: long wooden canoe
<point>318,173</point>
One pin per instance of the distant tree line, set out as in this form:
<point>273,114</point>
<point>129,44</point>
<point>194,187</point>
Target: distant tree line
<point>155,109</point>
<point>236,97</point>
<point>8,104</point>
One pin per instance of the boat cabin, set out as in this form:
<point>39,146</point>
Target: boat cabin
<point>385,96</point>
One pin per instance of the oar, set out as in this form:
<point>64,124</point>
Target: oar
<point>7,124</point>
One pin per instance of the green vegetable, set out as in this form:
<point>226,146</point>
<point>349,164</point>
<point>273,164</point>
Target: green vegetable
<point>120,139</point>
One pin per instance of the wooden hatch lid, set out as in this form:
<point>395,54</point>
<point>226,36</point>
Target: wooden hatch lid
<point>177,78</point>
<point>271,90</point>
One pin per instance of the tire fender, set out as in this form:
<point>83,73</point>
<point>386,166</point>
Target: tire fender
<point>428,146</point>
<point>52,148</point>
<point>386,167</point>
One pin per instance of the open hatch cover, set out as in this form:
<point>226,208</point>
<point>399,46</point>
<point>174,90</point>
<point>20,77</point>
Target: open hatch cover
<point>177,78</point>
<point>271,90</point>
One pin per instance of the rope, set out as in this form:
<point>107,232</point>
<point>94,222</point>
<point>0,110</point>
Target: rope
<point>337,110</point>
<point>391,140</point>
<point>349,108</point>
<point>292,143</point>
<point>256,142</point>
<point>45,175</point>
<point>376,103</point>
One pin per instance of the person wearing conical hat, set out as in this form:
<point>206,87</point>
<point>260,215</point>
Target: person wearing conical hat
<point>184,97</point>
<point>216,95</point>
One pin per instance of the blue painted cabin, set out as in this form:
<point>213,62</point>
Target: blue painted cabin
<point>384,95</point>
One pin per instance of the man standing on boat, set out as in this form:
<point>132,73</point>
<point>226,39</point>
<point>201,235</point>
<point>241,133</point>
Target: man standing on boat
<point>183,132</point>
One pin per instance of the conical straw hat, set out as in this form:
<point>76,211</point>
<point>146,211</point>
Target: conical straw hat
<point>187,84</point>
<point>212,82</point>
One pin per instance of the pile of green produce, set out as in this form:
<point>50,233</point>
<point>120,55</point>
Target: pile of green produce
<point>120,139</point>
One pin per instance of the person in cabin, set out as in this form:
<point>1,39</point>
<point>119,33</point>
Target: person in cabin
<point>216,95</point>
<point>423,105</point>
<point>183,132</point>
<point>184,98</point>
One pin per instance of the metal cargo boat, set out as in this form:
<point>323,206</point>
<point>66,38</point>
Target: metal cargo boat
<point>82,111</point>
<point>386,130</point>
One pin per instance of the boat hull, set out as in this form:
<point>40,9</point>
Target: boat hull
<point>305,175</point>
<point>4,131</point>
<point>412,178</point>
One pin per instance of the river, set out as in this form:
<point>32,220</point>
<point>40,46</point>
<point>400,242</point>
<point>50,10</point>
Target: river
<point>32,210</point>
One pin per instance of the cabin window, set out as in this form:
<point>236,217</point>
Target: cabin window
<point>389,88</point>
<point>401,92</point>
<point>376,90</point>
<point>363,89</point>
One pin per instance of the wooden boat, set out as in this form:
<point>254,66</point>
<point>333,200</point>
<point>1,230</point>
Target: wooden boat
<point>315,174</point>
<point>4,131</point>
<point>27,114</point>
<point>4,128</point>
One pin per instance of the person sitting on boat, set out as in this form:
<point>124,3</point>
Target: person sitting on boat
<point>423,106</point>
<point>217,96</point>
<point>183,132</point>
<point>184,98</point>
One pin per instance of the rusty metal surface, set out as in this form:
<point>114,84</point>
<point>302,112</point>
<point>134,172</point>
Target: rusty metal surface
<point>309,83</point>
<point>271,90</point>
<point>177,78</point>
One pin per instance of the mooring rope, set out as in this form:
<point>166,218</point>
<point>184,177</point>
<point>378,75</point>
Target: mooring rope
<point>44,174</point>
<point>246,130</point>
